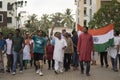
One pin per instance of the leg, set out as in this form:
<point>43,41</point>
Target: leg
<point>82,67</point>
<point>53,62</point>
<point>87,68</point>
<point>69,61</point>
<point>2,64</point>
<point>101,58</point>
<point>20,55</point>
<point>105,58</point>
<point>119,60</point>
<point>65,62</point>
<point>61,67</point>
<point>56,65</point>
<point>15,54</point>
<point>49,63</point>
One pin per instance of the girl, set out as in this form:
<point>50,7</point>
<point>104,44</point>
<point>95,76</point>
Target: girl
<point>26,51</point>
<point>49,54</point>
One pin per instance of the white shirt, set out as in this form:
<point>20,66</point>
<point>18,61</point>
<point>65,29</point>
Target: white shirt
<point>9,46</point>
<point>116,40</point>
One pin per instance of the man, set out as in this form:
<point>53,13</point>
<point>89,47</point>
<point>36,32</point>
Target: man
<point>9,46</point>
<point>68,51</point>
<point>115,50</point>
<point>75,54</point>
<point>85,47</point>
<point>39,51</point>
<point>18,45</point>
<point>58,55</point>
<point>2,44</point>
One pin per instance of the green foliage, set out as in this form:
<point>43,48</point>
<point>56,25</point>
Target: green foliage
<point>107,14</point>
<point>46,21</point>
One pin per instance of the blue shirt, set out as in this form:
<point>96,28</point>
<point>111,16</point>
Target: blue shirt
<point>39,44</point>
<point>2,44</point>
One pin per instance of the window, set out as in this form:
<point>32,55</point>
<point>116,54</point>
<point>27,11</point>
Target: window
<point>90,13</point>
<point>9,19</point>
<point>85,11</point>
<point>78,20</point>
<point>9,6</point>
<point>0,4</point>
<point>85,22</point>
<point>90,2</point>
<point>1,18</point>
<point>85,1</point>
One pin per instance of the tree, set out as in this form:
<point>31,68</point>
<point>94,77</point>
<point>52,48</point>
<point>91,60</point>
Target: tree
<point>68,18</point>
<point>57,18</point>
<point>107,14</point>
<point>45,23</point>
<point>32,23</point>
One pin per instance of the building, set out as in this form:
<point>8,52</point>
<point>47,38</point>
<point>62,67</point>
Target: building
<point>85,10</point>
<point>7,18</point>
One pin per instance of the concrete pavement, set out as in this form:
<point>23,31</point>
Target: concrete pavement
<point>97,73</point>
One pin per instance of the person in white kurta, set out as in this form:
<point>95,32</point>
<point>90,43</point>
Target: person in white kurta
<point>58,55</point>
<point>26,51</point>
<point>115,51</point>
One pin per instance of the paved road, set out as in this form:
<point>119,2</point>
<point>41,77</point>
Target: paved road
<point>97,73</point>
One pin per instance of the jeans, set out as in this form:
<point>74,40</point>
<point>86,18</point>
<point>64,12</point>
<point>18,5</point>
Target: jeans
<point>9,62</point>
<point>75,59</point>
<point>114,63</point>
<point>2,62</point>
<point>67,60</point>
<point>87,66</point>
<point>103,56</point>
<point>17,56</point>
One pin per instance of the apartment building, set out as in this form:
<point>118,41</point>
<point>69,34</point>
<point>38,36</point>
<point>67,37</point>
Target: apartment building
<point>85,10</point>
<point>7,18</point>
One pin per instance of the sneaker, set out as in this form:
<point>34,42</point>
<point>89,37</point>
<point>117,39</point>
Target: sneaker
<point>40,73</point>
<point>13,73</point>
<point>21,71</point>
<point>37,71</point>
<point>61,71</point>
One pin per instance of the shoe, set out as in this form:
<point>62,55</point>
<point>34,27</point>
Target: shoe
<point>107,66</point>
<point>40,73</point>
<point>56,72</point>
<point>13,73</point>
<point>82,71</point>
<point>37,71</point>
<point>61,71</point>
<point>21,71</point>
<point>87,74</point>
<point>116,70</point>
<point>8,71</point>
<point>2,71</point>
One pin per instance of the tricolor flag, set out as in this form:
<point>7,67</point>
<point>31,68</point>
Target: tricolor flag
<point>102,37</point>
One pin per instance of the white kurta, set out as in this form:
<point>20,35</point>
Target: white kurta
<point>26,53</point>
<point>113,50</point>
<point>58,50</point>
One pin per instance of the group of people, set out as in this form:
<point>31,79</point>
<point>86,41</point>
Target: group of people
<point>61,50</point>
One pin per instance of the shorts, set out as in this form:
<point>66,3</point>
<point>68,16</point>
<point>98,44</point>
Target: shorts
<point>38,56</point>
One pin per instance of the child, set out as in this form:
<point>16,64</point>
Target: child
<point>49,54</point>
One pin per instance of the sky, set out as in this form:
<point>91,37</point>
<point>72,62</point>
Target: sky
<point>41,7</point>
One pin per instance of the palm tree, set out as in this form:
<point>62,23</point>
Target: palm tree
<point>57,19</point>
<point>45,23</point>
<point>32,23</point>
<point>68,18</point>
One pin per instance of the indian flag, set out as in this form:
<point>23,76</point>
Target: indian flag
<point>102,37</point>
